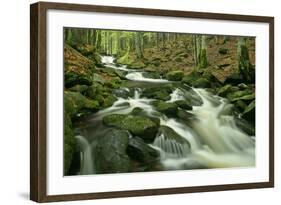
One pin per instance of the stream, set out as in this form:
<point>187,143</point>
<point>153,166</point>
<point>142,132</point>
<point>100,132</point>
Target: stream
<point>211,141</point>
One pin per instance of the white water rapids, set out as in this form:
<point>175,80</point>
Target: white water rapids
<point>214,140</point>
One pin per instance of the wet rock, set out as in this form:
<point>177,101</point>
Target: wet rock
<point>241,95</point>
<point>191,97</point>
<point>140,151</point>
<point>152,75</point>
<point>250,112</point>
<point>184,104</point>
<point>185,115</point>
<point>122,93</point>
<point>159,93</point>
<point>110,154</point>
<point>226,89</point>
<point>245,126</point>
<point>175,75</point>
<point>137,125</point>
<point>166,107</point>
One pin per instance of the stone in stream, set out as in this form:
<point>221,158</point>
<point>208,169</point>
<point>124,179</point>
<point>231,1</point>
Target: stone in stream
<point>185,115</point>
<point>184,104</point>
<point>191,97</point>
<point>245,126</point>
<point>123,93</point>
<point>250,112</point>
<point>110,154</point>
<point>166,107</point>
<point>141,112</point>
<point>241,95</point>
<point>137,125</point>
<point>159,93</point>
<point>140,151</point>
<point>175,75</point>
<point>152,75</point>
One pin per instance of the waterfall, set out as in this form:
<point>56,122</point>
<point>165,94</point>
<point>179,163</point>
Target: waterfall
<point>176,95</point>
<point>219,132</point>
<point>171,148</point>
<point>107,59</point>
<point>138,76</point>
<point>87,166</point>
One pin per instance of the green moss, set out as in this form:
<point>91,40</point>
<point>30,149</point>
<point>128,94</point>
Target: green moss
<point>166,108</point>
<point>75,101</point>
<point>137,125</point>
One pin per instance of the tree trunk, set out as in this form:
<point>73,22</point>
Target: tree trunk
<point>202,61</point>
<point>98,40</point>
<point>138,45</point>
<point>243,59</point>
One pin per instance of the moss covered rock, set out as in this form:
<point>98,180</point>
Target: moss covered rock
<point>75,102</point>
<point>73,78</point>
<point>250,112</point>
<point>241,95</point>
<point>201,83</point>
<point>184,104</point>
<point>166,107</point>
<point>175,75</point>
<point>159,93</point>
<point>137,125</point>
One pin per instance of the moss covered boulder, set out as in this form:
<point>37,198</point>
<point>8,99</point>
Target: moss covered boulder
<point>159,93</point>
<point>201,83</point>
<point>73,78</point>
<point>137,125</point>
<point>175,75</point>
<point>184,104</point>
<point>110,152</point>
<point>166,107</point>
<point>250,112</point>
<point>75,102</point>
<point>247,95</point>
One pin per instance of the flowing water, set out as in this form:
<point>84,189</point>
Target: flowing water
<point>211,140</point>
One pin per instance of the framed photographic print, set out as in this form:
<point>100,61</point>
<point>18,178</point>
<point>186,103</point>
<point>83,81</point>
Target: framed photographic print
<point>134,102</point>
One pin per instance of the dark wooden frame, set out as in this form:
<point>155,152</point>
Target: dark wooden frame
<point>38,97</point>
